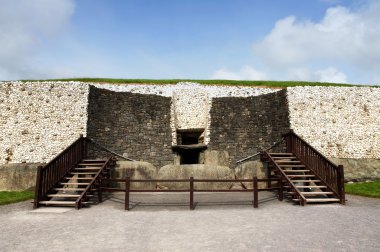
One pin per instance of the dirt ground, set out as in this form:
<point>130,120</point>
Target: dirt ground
<point>220,222</point>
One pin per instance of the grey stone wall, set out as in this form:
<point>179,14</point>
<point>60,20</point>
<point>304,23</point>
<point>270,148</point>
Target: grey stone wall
<point>135,124</point>
<point>244,126</point>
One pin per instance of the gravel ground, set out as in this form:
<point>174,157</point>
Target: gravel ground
<point>220,222</point>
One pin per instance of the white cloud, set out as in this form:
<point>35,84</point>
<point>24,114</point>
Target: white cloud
<point>329,74</point>
<point>245,73</point>
<point>343,36</point>
<point>24,25</point>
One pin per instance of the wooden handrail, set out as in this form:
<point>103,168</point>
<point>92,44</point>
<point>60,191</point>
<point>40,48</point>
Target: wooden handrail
<point>325,170</point>
<point>49,175</point>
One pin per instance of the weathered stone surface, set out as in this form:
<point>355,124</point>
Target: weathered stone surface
<point>250,169</point>
<point>244,126</point>
<point>134,170</point>
<point>359,169</point>
<point>198,171</point>
<point>18,177</point>
<point>135,124</point>
<point>212,157</point>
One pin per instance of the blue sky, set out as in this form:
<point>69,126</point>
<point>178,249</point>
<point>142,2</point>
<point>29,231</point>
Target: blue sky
<point>310,40</point>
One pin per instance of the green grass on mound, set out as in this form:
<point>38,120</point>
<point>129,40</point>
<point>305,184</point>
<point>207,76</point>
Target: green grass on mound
<point>8,197</point>
<point>279,84</point>
<point>367,189</point>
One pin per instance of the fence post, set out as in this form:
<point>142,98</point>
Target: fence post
<point>191,193</point>
<point>280,191</point>
<point>37,192</point>
<point>127,187</point>
<point>340,178</point>
<point>255,193</point>
<point>100,192</point>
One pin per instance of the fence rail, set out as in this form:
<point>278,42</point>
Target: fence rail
<point>191,190</point>
<point>332,175</point>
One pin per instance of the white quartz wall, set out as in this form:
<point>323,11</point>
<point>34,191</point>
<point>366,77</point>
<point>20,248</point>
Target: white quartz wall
<point>341,122</point>
<point>190,110</point>
<point>40,119</point>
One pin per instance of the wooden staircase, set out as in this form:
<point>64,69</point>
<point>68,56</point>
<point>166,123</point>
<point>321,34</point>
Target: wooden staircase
<point>71,179</point>
<point>79,183</point>
<point>301,184</point>
<point>308,176</point>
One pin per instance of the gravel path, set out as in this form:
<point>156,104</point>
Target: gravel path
<point>227,223</point>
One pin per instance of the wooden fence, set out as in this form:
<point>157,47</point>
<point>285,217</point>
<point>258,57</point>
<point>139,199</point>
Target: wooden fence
<point>191,190</point>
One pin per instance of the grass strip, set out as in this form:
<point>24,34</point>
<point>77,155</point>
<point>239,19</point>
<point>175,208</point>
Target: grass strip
<point>8,197</point>
<point>279,84</point>
<point>367,189</point>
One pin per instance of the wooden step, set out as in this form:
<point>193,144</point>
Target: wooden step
<point>312,193</point>
<point>309,186</point>
<point>300,176</point>
<point>53,202</point>
<point>63,195</point>
<point>83,173</point>
<point>79,178</point>
<point>286,166</point>
<point>322,200</point>
<point>280,158</point>
<point>87,168</point>
<point>68,189</point>
<point>317,193</point>
<point>296,170</point>
<point>306,180</point>
<point>73,183</point>
<point>100,165</point>
<point>280,154</point>
<point>94,160</point>
<point>284,161</point>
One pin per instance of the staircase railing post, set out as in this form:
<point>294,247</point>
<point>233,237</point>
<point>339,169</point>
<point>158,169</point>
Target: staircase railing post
<point>191,193</point>
<point>127,188</point>
<point>280,190</point>
<point>255,193</point>
<point>37,192</point>
<point>100,192</point>
<point>340,178</point>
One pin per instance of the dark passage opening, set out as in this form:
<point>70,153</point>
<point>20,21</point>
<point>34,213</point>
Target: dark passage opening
<point>190,157</point>
<point>189,145</point>
<point>188,137</point>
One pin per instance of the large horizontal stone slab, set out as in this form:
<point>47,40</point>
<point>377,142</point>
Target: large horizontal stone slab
<point>250,169</point>
<point>359,169</point>
<point>18,177</point>
<point>134,170</point>
<point>198,171</point>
